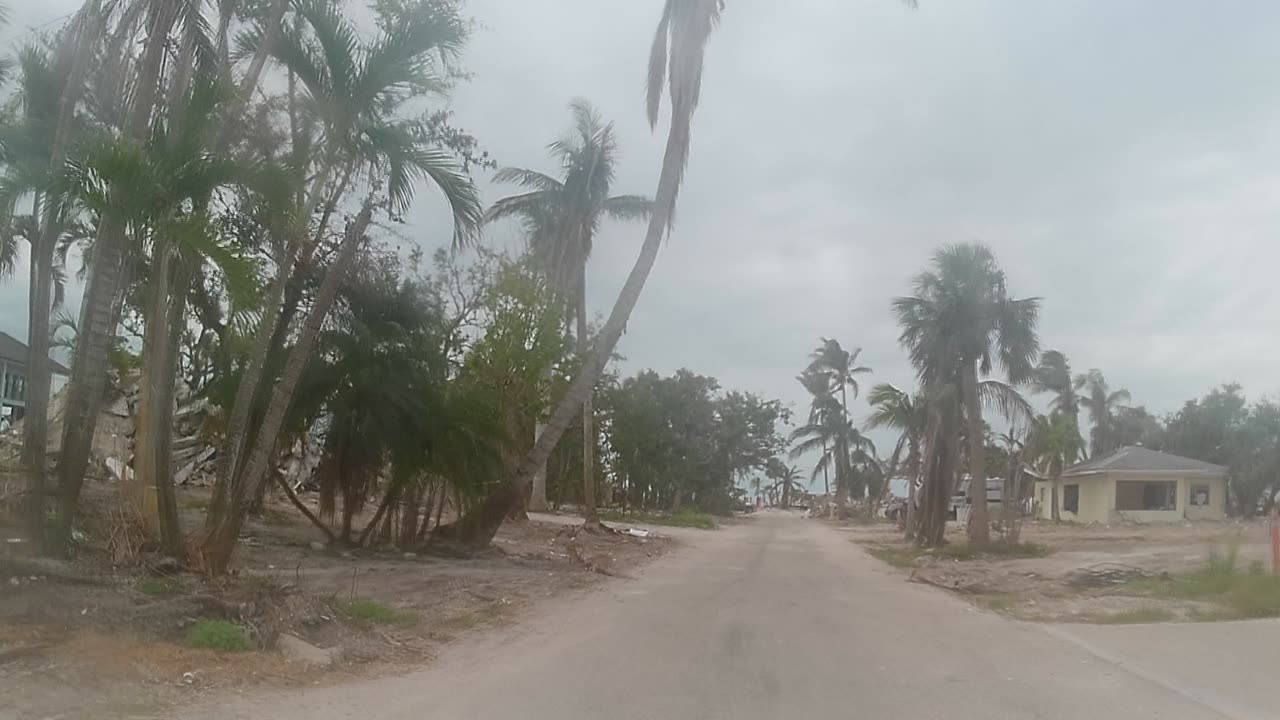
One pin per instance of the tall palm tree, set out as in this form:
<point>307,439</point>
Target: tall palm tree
<point>1102,404</point>
<point>787,480</point>
<point>561,218</point>
<point>841,370</point>
<point>960,324</point>
<point>675,66</point>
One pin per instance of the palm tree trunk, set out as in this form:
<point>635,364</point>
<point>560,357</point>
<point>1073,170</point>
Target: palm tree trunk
<point>589,513</point>
<point>151,422</point>
<point>35,434</point>
<point>979,527</point>
<point>826,483</point>
<point>479,526</point>
<point>1055,512</point>
<point>220,541</point>
<point>538,493</point>
<point>97,327</point>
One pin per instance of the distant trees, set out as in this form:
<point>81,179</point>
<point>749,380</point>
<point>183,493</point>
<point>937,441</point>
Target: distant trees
<point>678,441</point>
<point>830,378</point>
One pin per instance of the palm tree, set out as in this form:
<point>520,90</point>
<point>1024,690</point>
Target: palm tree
<point>841,369</point>
<point>1102,405</point>
<point>675,64</point>
<point>908,414</point>
<point>560,218</point>
<point>840,445</point>
<point>819,387</point>
<point>1054,444</point>
<point>357,89</point>
<point>1053,375</point>
<point>787,479</point>
<point>960,324</point>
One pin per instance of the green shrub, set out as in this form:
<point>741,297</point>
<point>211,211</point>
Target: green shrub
<point>685,517</point>
<point>160,586</point>
<point>372,611</point>
<point>1240,594</point>
<point>218,635</point>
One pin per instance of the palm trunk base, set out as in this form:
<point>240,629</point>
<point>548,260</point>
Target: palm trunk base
<point>476,528</point>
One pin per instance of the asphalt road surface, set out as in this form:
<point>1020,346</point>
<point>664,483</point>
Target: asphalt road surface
<point>778,617</point>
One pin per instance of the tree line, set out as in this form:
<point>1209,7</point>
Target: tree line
<point>232,175</point>
<point>976,353</point>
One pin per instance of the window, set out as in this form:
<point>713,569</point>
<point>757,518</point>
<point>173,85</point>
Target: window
<point>1199,496</point>
<point>1137,495</point>
<point>1071,498</point>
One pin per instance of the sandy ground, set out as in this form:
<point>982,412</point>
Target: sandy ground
<point>111,651</point>
<point>781,617</point>
<point>1050,588</point>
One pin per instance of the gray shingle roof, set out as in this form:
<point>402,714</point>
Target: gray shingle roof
<point>14,351</point>
<point>1140,460</point>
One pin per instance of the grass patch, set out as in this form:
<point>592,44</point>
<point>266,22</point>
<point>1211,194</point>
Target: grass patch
<point>161,586</point>
<point>909,555</point>
<point>1241,594</point>
<point>996,603</point>
<point>218,635</point>
<point>687,517</point>
<point>372,611</point>
<point>1131,617</point>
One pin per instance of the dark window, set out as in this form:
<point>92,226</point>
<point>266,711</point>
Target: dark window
<point>1136,495</point>
<point>1071,498</point>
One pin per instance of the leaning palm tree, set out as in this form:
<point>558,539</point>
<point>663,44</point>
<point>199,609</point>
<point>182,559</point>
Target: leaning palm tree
<point>1102,404</point>
<point>675,65</point>
<point>819,387</point>
<point>960,324</point>
<point>560,219</point>
<point>1053,375</point>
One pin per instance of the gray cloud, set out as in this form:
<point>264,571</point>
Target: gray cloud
<point>1119,157</point>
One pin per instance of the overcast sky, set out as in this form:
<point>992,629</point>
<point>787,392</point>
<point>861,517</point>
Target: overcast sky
<point>1120,158</point>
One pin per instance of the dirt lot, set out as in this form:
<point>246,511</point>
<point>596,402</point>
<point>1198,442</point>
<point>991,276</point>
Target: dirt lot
<point>1087,573</point>
<point>117,645</point>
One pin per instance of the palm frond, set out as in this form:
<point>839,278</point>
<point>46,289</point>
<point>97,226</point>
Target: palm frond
<point>1006,400</point>
<point>628,207</point>
<point>528,178</point>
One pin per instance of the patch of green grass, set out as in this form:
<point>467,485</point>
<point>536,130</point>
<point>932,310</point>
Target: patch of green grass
<point>908,556</point>
<point>902,557</point>
<point>996,603</point>
<point>218,635</point>
<point>161,586</point>
<point>1132,617</point>
<point>1240,593</point>
<point>372,611</point>
<point>686,517</point>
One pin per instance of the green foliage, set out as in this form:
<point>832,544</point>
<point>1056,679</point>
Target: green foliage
<point>677,440</point>
<point>1240,594</point>
<point>684,517</point>
<point>161,586</point>
<point>1131,617</point>
<point>910,556</point>
<point>218,635</point>
<point>372,611</point>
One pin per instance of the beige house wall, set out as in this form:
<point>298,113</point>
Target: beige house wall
<point>1098,499</point>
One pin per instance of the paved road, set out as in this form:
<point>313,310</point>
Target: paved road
<point>779,617</point>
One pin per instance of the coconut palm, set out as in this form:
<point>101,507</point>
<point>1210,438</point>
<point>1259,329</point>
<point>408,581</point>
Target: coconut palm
<point>1053,375</point>
<point>818,386</point>
<point>839,443</point>
<point>841,370</point>
<point>908,414</point>
<point>675,66</point>
<point>787,480</point>
<point>1102,404</point>
<point>1054,445</point>
<point>560,219</point>
<point>960,324</point>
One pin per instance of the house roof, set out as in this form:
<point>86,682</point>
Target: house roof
<point>1138,460</point>
<point>13,350</point>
